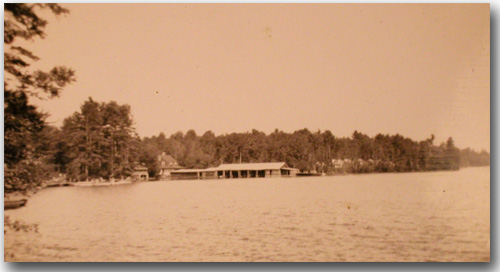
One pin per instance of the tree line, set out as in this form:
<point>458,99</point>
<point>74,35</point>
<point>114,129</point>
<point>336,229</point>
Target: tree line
<point>99,140</point>
<point>310,151</point>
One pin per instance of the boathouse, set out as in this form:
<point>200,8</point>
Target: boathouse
<point>237,170</point>
<point>140,173</point>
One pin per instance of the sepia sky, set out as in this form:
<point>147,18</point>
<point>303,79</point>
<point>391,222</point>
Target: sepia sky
<point>413,69</point>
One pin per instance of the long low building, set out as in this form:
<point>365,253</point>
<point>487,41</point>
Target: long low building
<point>238,170</point>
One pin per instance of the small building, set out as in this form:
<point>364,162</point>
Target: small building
<point>166,164</point>
<point>240,170</point>
<point>140,173</point>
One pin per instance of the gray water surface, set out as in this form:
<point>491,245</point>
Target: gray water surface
<point>432,216</point>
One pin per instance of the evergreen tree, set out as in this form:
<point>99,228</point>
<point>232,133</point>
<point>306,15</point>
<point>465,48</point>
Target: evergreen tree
<point>101,141</point>
<point>23,122</point>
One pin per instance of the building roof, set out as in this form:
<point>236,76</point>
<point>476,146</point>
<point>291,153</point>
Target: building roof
<point>171,167</point>
<point>166,158</point>
<point>189,171</point>
<point>251,166</point>
<point>168,162</point>
<point>240,166</point>
<point>140,168</point>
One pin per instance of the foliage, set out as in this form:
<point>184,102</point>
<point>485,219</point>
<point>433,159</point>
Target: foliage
<point>469,157</point>
<point>22,21</point>
<point>22,121</point>
<point>306,150</point>
<point>99,141</point>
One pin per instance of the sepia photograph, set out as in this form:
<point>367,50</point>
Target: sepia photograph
<point>246,132</point>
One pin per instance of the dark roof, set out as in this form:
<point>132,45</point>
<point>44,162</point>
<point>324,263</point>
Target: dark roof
<point>168,162</point>
<point>167,158</point>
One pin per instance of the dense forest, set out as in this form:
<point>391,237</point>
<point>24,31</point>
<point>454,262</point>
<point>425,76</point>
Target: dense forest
<point>308,151</point>
<point>99,141</point>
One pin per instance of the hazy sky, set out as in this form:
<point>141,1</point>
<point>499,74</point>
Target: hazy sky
<point>413,69</point>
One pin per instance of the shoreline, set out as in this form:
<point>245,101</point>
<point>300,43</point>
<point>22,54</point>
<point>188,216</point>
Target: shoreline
<point>361,217</point>
<point>19,195</point>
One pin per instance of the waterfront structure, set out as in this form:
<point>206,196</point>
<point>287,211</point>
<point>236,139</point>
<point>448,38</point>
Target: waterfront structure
<point>207,173</point>
<point>166,164</point>
<point>237,170</point>
<point>140,173</point>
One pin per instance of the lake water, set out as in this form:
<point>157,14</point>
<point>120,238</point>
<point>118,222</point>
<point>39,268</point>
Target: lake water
<point>432,216</point>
